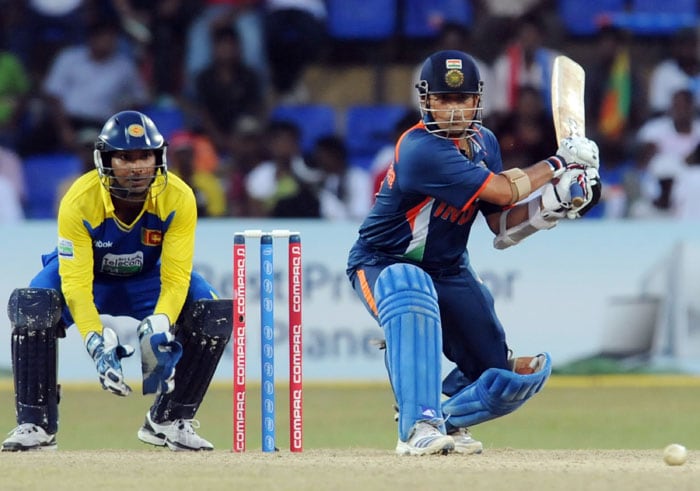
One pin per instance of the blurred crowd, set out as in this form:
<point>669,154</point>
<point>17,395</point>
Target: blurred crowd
<point>225,65</point>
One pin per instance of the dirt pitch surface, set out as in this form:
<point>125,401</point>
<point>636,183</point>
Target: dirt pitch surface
<point>354,469</point>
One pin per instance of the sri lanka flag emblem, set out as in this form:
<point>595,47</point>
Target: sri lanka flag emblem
<point>151,237</point>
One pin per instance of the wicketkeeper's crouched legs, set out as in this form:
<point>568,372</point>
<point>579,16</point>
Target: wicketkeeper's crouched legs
<point>204,330</point>
<point>35,314</point>
<point>35,317</point>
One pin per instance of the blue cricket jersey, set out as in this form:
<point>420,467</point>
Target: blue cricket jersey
<point>428,200</point>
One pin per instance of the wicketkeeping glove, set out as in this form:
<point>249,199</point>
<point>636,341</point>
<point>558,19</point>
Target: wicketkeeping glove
<point>160,352</point>
<point>107,353</point>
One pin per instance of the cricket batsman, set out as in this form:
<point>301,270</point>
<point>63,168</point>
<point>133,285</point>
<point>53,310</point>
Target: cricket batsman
<point>410,265</point>
<point>125,245</point>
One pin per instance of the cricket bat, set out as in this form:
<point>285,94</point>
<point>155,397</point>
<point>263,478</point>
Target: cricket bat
<point>568,111</point>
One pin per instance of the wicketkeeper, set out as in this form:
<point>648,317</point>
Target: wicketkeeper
<point>125,246</point>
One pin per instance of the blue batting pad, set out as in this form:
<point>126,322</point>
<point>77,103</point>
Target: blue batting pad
<point>495,393</point>
<point>408,312</point>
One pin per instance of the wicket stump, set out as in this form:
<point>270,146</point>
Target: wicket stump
<point>267,335</point>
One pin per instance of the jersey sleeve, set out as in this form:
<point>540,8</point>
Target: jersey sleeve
<point>75,267</point>
<point>494,162</point>
<point>177,254</point>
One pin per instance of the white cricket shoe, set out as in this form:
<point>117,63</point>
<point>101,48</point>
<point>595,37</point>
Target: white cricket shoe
<point>464,443</point>
<point>178,435</point>
<point>28,436</point>
<point>425,439</point>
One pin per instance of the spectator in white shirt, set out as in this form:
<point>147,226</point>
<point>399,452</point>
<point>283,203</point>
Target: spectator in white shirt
<point>345,192</point>
<point>667,141</point>
<point>88,83</point>
<point>679,71</point>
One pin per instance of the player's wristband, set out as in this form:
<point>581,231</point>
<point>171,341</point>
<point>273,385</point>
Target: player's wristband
<point>557,164</point>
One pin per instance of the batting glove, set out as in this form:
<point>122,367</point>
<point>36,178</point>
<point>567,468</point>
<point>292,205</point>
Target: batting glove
<point>556,195</point>
<point>579,150</point>
<point>592,193</point>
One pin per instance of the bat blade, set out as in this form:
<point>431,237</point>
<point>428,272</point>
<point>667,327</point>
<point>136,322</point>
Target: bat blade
<point>568,110</point>
<point>568,85</point>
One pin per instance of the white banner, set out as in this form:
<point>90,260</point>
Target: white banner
<point>580,289</point>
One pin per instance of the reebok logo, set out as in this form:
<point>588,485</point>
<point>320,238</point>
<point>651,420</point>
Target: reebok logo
<point>102,245</point>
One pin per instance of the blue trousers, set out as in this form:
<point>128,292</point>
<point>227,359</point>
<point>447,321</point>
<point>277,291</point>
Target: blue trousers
<point>134,296</point>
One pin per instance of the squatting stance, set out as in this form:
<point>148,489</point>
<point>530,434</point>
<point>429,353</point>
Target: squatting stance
<point>410,266</point>
<point>124,248</point>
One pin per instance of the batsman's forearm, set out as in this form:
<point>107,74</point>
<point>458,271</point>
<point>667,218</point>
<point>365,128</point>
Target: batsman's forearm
<point>540,174</point>
<point>518,214</point>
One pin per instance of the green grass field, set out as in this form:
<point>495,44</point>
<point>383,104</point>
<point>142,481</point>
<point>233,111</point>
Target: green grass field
<point>602,412</point>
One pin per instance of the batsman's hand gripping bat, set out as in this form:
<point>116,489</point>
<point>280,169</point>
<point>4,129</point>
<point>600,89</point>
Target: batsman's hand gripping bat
<point>568,112</point>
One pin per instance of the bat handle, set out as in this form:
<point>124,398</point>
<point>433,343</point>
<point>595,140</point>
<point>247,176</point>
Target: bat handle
<point>577,194</point>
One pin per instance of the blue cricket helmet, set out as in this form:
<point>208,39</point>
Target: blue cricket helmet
<point>450,72</point>
<point>129,130</point>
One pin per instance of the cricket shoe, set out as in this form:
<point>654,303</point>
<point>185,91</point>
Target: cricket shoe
<point>464,443</point>
<point>425,439</point>
<point>28,436</point>
<point>178,435</point>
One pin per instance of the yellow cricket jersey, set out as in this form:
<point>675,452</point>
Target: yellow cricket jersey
<point>93,244</point>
